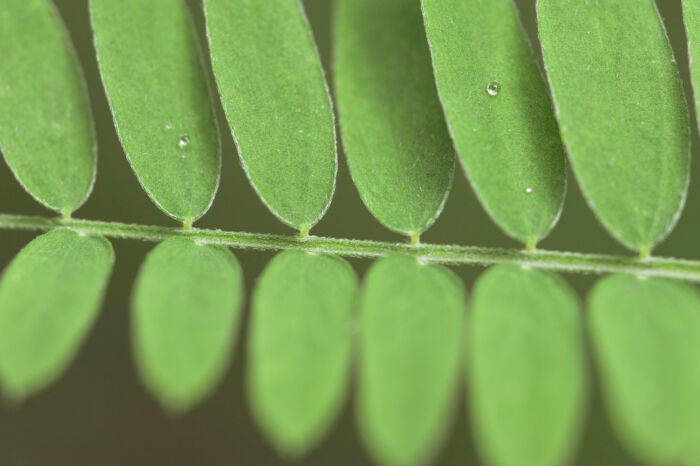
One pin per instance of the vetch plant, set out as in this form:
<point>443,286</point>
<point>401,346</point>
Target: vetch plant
<point>420,87</point>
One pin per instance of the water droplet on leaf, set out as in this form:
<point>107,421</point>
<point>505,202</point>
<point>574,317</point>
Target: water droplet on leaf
<point>493,88</point>
<point>168,127</point>
<point>184,141</point>
<point>528,190</point>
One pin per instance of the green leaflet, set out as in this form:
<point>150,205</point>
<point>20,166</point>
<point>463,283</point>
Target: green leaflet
<point>526,367</point>
<point>410,353</point>
<point>691,17</point>
<point>396,141</point>
<point>46,131</point>
<point>645,336</point>
<point>621,111</point>
<point>152,72</point>
<point>186,306</point>
<point>49,297</point>
<point>277,104</point>
<point>499,112</point>
<point>299,353</point>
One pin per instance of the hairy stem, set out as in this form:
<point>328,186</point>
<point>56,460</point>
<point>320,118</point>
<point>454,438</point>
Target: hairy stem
<point>444,254</point>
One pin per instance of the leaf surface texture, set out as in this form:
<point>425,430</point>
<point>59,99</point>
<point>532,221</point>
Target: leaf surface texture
<point>300,347</point>
<point>394,133</point>
<point>526,367</point>
<point>645,338</point>
<point>152,72</point>
<point>691,19</point>
<point>277,104</point>
<point>622,112</point>
<point>46,130</point>
<point>49,297</point>
<point>410,348</point>
<point>499,112</point>
<point>186,306</point>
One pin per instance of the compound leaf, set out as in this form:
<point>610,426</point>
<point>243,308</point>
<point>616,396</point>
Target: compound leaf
<point>499,112</point>
<point>645,338</point>
<point>277,104</point>
<point>622,112</point>
<point>155,83</point>
<point>46,131</point>
<point>49,297</point>
<point>299,354</point>
<point>186,307</point>
<point>394,133</point>
<point>410,354</point>
<point>526,366</point>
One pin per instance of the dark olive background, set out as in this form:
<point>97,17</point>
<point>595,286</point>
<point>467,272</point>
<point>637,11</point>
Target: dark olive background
<point>99,414</point>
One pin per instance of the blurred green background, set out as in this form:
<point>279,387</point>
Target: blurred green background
<point>99,414</point>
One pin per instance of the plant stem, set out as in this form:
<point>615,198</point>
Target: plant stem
<point>437,253</point>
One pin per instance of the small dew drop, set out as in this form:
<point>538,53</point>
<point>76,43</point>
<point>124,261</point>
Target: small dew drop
<point>184,141</point>
<point>528,190</point>
<point>493,88</point>
<point>168,127</point>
